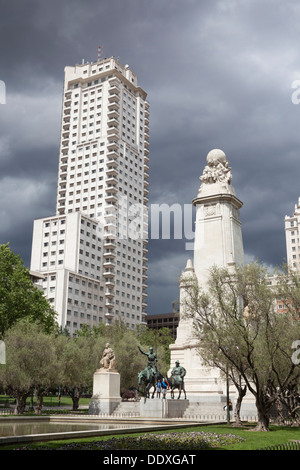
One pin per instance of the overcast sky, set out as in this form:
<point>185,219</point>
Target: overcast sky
<point>218,74</point>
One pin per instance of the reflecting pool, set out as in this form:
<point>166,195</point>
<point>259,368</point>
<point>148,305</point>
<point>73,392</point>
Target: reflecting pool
<point>29,427</point>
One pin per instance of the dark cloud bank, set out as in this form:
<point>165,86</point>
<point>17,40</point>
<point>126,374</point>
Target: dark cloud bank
<point>218,74</point>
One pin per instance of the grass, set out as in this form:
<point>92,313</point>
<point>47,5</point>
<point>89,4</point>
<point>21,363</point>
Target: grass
<point>49,401</point>
<point>216,437</point>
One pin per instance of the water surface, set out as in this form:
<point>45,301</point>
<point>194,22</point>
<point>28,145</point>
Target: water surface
<point>30,427</point>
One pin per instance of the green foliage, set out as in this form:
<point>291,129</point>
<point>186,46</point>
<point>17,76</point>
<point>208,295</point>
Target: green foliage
<point>39,359</point>
<point>19,298</point>
<point>238,327</point>
<point>30,360</point>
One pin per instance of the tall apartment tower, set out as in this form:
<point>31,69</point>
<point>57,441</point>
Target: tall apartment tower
<point>93,251</point>
<point>292,238</point>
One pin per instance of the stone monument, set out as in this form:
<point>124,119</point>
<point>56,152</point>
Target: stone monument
<point>218,242</point>
<point>106,385</point>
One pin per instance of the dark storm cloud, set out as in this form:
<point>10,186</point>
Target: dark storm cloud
<point>218,75</point>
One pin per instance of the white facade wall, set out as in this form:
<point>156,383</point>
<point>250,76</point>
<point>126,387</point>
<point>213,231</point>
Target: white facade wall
<point>292,237</point>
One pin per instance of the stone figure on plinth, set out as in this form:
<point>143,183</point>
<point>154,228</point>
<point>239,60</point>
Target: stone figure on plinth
<point>108,360</point>
<point>106,385</point>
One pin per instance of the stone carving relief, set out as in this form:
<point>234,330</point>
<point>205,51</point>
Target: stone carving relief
<point>210,209</point>
<point>216,172</point>
<point>217,169</point>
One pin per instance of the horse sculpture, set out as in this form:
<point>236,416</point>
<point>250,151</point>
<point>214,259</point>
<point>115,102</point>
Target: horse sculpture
<point>174,384</point>
<point>148,377</point>
<point>145,383</point>
<point>177,380</point>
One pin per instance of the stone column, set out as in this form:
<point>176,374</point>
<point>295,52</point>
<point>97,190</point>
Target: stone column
<point>218,242</point>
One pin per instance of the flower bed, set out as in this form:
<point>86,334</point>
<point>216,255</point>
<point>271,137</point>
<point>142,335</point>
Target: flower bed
<point>166,441</point>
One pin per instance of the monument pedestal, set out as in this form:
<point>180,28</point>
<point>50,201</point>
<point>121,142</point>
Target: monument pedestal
<point>162,408</point>
<point>106,392</point>
<point>218,242</point>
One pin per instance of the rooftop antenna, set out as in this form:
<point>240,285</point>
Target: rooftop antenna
<point>99,53</point>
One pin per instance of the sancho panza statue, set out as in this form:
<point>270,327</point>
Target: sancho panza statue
<point>108,360</point>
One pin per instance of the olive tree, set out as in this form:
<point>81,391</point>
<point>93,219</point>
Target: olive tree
<point>31,363</point>
<point>78,359</point>
<point>238,326</point>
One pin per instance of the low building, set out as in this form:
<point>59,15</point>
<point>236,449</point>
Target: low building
<point>164,320</point>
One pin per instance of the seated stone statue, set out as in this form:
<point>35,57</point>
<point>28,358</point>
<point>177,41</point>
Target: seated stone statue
<point>108,360</point>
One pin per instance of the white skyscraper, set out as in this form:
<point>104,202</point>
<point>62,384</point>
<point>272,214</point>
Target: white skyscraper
<point>92,252</point>
<point>292,225</point>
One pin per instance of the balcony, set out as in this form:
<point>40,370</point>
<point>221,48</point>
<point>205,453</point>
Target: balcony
<point>113,131</point>
<point>113,106</point>
<point>110,228</point>
<point>110,253</point>
<point>111,172</point>
<point>114,114</point>
<point>114,90</point>
<point>114,98</point>
<point>112,163</point>
<point>110,197</point>
<point>111,182</point>
<point>109,304</point>
<point>111,146</point>
<point>109,273</point>
<point>109,315</point>
<point>110,233</point>
<point>111,189</point>
<point>114,81</point>
<point>109,263</point>
<point>109,243</point>
<point>109,294</point>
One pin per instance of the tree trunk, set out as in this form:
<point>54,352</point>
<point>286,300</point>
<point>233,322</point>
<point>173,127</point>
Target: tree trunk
<point>39,405</point>
<point>75,400</point>
<point>280,415</point>
<point>263,419</point>
<point>237,410</point>
<point>75,395</point>
<point>20,404</point>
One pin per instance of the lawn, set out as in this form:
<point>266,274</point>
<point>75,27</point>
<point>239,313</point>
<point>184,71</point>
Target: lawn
<point>49,401</point>
<point>210,437</point>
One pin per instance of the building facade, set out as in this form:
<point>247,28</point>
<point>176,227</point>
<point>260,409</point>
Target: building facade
<point>93,251</point>
<point>164,320</point>
<point>292,224</point>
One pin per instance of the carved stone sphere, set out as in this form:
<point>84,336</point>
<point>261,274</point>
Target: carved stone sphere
<point>215,156</point>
